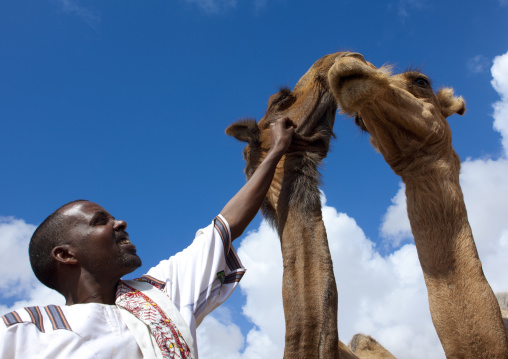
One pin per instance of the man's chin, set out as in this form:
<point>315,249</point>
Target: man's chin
<point>136,262</point>
<point>131,263</point>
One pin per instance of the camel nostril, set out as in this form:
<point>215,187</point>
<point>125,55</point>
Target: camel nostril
<point>350,54</point>
<point>355,54</point>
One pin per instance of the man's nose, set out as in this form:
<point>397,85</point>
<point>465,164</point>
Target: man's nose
<point>120,225</point>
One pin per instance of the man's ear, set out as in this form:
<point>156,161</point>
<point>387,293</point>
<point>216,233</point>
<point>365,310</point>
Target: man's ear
<point>449,103</point>
<point>64,254</point>
<point>245,130</point>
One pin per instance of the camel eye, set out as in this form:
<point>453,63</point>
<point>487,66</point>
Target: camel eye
<point>421,82</point>
<point>359,122</point>
<point>284,99</point>
<point>283,96</point>
<point>285,102</point>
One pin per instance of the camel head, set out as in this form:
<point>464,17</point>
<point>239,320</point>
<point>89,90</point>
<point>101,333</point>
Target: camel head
<point>403,115</point>
<point>364,346</point>
<point>312,107</point>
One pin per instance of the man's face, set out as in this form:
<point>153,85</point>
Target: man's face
<point>100,242</point>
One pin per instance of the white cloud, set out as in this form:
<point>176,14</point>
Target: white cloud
<point>18,284</point>
<point>380,296</point>
<point>13,256</point>
<point>90,16</point>
<point>500,83</point>
<point>478,64</point>
<point>395,227</point>
<point>218,331</point>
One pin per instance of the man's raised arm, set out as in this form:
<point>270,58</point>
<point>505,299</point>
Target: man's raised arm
<point>242,208</point>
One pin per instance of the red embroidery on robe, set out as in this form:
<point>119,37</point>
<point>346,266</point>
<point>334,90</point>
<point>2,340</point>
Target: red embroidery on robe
<point>166,334</point>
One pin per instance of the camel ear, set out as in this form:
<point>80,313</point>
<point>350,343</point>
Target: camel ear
<point>245,130</point>
<point>449,103</point>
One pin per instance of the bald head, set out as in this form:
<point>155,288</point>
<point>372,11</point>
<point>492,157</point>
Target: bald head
<point>81,235</point>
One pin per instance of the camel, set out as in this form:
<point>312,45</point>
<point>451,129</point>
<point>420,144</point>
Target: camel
<point>366,347</point>
<point>293,207</point>
<point>407,124</point>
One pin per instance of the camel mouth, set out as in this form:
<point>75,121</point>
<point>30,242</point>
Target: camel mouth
<point>319,121</point>
<point>345,73</point>
<point>343,80</point>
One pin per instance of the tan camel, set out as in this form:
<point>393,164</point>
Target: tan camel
<point>293,207</point>
<point>366,347</point>
<point>407,124</point>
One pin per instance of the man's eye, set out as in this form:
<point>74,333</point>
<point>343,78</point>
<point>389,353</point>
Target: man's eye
<point>100,221</point>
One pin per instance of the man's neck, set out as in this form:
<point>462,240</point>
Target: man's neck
<point>91,291</point>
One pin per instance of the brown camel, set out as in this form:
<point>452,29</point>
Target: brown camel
<point>407,124</point>
<point>293,207</point>
<point>366,347</point>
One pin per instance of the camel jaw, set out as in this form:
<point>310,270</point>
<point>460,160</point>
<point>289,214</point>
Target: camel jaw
<point>317,124</point>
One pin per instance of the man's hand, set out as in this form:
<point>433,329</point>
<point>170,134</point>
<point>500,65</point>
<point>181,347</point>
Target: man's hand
<point>281,135</point>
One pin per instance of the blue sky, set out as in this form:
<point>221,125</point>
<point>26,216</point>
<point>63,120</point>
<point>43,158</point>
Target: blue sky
<point>126,103</point>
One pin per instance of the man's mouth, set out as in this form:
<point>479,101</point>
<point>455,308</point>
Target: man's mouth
<point>124,241</point>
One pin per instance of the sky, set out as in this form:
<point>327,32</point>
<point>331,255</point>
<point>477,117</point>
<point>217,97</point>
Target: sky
<point>125,104</point>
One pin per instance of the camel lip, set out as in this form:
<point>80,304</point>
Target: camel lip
<point>323,114</point>
<point>348,69</point>
<point>349,76</point>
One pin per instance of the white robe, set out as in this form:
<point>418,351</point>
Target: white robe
<point>197,280</point>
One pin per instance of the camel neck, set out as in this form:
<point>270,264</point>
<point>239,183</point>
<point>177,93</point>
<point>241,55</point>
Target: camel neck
<point>436,210</point>
<point>309,291</point>
<point>451,266</point>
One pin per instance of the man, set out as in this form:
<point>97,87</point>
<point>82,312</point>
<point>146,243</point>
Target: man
<point>82,252</point>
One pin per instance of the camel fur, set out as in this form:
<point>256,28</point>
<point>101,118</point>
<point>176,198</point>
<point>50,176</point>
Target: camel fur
<point>293,207</point>
<point>407,124</point>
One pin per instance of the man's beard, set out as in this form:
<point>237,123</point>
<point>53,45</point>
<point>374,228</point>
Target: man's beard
<point>131,261</point>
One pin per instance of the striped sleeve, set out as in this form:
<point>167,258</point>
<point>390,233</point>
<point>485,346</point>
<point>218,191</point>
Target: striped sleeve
<point>36,316</point>
<point>45,319</point>
<point>231,258</point>
<point>57,317</point>
<point>12,318</point>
